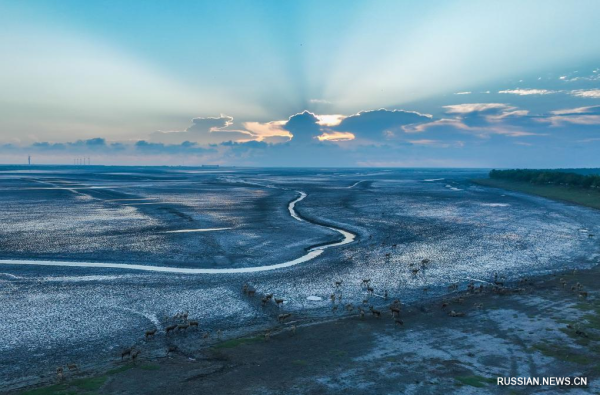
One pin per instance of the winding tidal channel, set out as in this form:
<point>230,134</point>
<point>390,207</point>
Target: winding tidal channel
<point>311,253</point>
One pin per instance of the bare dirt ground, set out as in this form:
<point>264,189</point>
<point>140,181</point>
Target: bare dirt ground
<point>536,328</point>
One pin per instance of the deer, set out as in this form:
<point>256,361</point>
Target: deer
<point>269,296</point>
<point>583,294</point>
<point>72,367</point>
<point>415,271</point>
<point>456,314</point>
<point>332,297</point>
<point>425,290</point>
<point>349,307</point>
<point>395,311</point>
<point>126,352</point>
<point>170,328</point>
<point>362,312</point>
<point>283,317</point>
<point>219,334</point>
<point>370,290</point>
<point>264,301</point>
<point>59,373</point>
<point>398,321</point>
<point>206,335</point>
<point>425,261</point>
<point>245,288</point>
<point>334,308</point>
<point>134,355</point>
<point>150,333</point>
<point>338,283</point>
<point>171,349</point>
<point>193,323</point>
<point>251,292</point>
<point>279,302</point>
<point>293,330</point>
<point>366,281</point>
<point>375,313</point>
<point>385,295</point>
<point>182,327</point>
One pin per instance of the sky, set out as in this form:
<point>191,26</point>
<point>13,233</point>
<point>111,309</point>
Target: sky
<point>301,83</point>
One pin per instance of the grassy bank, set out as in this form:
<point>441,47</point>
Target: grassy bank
<point>584,197</point>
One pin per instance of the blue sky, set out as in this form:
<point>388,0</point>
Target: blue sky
<point>339,83</point>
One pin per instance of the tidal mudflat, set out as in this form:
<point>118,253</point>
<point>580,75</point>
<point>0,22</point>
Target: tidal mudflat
<point>193,239</point>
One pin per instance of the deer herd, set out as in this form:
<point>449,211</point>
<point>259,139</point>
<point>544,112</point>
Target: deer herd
<point>180,322</point>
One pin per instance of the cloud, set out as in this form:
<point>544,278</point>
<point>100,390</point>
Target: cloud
<point>336,136</point>
<point>463,93</point>
<point>262,131</point>
<point>574,116</point>
<point>587,93</point>
<point>330,119</point>
<point>379,124</point>
<point>467,108</point>
<point>527,92</point>
<point>481,120</point>
<point>203,130</point>
<point>319,101</point>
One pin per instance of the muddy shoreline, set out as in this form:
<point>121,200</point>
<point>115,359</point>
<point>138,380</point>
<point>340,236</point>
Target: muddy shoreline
<point>529,328</point>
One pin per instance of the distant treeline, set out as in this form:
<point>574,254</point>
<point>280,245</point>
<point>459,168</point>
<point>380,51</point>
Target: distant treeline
<point>548,177</point>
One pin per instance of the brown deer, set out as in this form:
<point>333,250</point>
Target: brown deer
<point>269,296</point>
<point>415,271</point>
<point>206,335</point>
<point>370,290</point>
<point>245,288</point>
<point>193,323</point>
<point>425,261</point>
<point>134,355</point>
<point>279,302</point>
<point>395,311</point>
<point>150,333</point>
<point>338,283</point>
<point>456,314</point>
<point>264,301</point>
<point>398,321</point>
<point>332,297</point>
<point>72,367</point>
<point>583,294</point>
<point>283,317</point>
<point>375,313</point>
<point>59,373</point>
<point>362,312</point>
<point>183,327</point>
<point>171,349</point>
<point>170,328</point>
<point>126,352</point>
<point>251,292</point>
